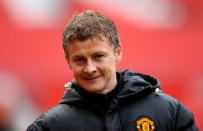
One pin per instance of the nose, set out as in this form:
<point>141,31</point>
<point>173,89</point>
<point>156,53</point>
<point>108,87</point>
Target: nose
<point>90,68</point>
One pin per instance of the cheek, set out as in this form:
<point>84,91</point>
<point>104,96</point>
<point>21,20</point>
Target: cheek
<point>76,70</point>
<point>108,69</point>
<point>76,76</point>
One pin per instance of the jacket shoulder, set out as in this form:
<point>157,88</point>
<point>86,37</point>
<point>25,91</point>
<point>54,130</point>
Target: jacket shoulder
<point>50,118</point>
<point>183,117</point>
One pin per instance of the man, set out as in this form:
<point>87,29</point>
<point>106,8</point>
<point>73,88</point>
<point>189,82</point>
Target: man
<point>103,99</point>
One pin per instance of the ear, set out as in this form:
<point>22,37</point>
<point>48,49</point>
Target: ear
<point>69,66</point>
<point>118,53</point>
<point>68,61</point>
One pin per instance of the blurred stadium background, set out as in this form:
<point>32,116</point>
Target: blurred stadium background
<point>163,38</point>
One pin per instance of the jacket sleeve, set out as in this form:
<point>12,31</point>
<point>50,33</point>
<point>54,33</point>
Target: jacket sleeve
<point>185,119</point>
<point>38,125</point>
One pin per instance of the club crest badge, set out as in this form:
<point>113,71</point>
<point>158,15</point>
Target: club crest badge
<point>145,124</point>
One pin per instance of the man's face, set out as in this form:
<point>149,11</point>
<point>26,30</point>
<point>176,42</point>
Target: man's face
<point>93,63</point>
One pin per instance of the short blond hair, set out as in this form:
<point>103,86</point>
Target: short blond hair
<point>90,24</point>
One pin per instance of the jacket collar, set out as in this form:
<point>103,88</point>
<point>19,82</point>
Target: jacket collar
<point>134,83</point>
<point>129,84</point>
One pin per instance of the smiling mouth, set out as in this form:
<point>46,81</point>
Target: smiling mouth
<point>92,78</point>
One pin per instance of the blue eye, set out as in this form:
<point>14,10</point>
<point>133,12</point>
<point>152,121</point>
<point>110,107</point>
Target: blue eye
<point>79,60</point>
<point>99,56</point>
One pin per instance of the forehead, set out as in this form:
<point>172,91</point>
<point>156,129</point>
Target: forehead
<point>78,47</point>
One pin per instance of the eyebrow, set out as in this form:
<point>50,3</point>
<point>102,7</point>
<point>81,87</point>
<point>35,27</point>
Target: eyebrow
<point>104,52</point>
<point>93,53</point>
<point>101,51</point>
<point>77,56</point>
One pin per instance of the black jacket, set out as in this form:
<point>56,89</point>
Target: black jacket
<point>134,105</point>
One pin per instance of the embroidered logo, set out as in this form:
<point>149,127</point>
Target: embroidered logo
<point>145,124</point>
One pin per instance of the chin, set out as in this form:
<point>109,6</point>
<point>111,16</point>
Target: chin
<point>95,90</point>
